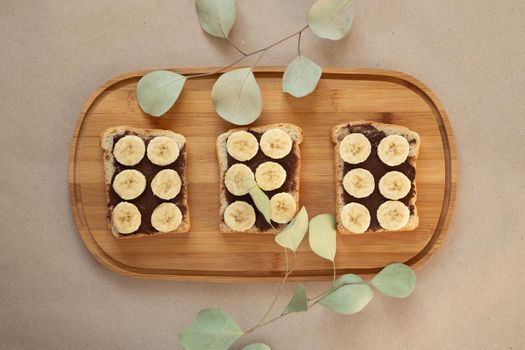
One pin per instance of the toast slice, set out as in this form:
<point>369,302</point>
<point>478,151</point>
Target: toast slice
<point>291,163</point>
<point>375,132</point>
<point>147,201</point>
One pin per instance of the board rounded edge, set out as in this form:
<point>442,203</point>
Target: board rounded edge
<point>127,270</point>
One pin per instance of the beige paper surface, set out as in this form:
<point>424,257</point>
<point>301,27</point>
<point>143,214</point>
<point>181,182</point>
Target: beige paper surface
<point>54,295</point>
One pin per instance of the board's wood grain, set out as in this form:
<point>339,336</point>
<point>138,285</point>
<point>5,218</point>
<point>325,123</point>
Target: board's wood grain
<point>206,254</point>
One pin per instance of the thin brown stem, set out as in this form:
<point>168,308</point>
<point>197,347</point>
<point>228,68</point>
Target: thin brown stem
<point>314,303</point>
<point>283,281</point>
<point>259,58</point>
<point>299,44</point>
<point>220,70</point>
<point>331,289</point>
<point>319,298</point>
<point>293,263</point>
<point>335,274</point>
<point>320,295</point>
<point>262,324</point>
<point>272,320</point>
<point>245,55</point>
<point>280,41</point>
<point>236,47</point>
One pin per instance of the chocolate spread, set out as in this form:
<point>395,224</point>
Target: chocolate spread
<point>147,201</point>
<point>378,169</point>
<point>289,163</point>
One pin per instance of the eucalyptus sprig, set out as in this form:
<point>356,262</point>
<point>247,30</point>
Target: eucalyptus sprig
<point>214,329</point>
<point>238,99</point>
<point>236,94</point>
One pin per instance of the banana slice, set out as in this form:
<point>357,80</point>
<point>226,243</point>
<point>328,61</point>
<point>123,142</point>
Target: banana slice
<point>166,184</point>
<point>270,176</point>
<point>359,183</point>
<point>126,218</point>
<point>393,150</point>
<point>276,143</point>
<point>129,184</point>
<point>355,148</point>
<point>242,146</point>
<point>235,177</point>
<point>355,217</point>
<point>129,150</point>
<point>239,216</point>
<point>394,185</point>
<point>393,215</point>
<point>162,150</point>
<point>282,208</point>
<point>166,217</point>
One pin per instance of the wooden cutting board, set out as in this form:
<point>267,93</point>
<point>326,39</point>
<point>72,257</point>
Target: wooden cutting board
<point>205,254</point>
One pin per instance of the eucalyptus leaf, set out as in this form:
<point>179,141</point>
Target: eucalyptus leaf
<point>322,236</point>
<point>237,96</point>
<point>299,300</point>
<point>157,91</point>
<point>260,199</point>
<point>331,19</point>
<point>213,329</point>
<point>257,346</point>
<point>292,236</point>
<point>216,16</point>
<point>396,280</point>
<point>301,77</point>
<point>349,295</point>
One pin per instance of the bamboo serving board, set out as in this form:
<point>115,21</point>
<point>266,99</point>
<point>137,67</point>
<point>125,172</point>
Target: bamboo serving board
<point>205,254</point>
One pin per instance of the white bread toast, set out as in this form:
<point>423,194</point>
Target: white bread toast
<point>338,133</point>
<point>108,138</point>
<point>296,134</point>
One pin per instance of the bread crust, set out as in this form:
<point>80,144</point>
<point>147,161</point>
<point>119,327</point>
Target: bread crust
<point>106,142</point>
<point>338,133</point>
<point>295,132</point>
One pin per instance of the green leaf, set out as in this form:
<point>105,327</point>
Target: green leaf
<point>349,295</point>
<point>299,301</point>
<point>213,329</point>
<point>396,280</point>
<point>237,97</point>
<point>216,16</point>
<point>260,199</point>
<point>322,236</point>
<point>292,236</point>
<point>331,19</point>
<point>301,76</point>
<point>257,346</point>
<point>157,91</point>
